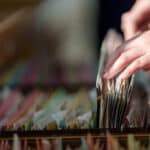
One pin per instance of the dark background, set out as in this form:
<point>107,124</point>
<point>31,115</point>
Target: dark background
<point>110,14</point>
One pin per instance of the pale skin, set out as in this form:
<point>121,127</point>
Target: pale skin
<point>134,54</point>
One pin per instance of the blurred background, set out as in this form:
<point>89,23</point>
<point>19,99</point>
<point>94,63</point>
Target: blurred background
<point>47,42</point>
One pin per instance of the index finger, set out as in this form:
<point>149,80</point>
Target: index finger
<point>124,47</point>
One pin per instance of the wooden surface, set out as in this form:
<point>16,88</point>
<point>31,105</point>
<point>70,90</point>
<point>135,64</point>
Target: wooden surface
<point>77,133</point>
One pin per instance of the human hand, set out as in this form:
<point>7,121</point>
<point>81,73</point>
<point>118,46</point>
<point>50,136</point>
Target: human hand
<point>132,56</point>
<point>137,19</point>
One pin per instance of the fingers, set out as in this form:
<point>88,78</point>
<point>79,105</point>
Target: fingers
<point>124,60</point>
<point>128,26</point>
<point>137,53</point>
<point>135,66</point>
<point>136,20</point>
<point>126,46</point>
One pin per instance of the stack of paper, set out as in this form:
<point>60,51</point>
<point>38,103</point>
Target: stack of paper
<point>113,95</point>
